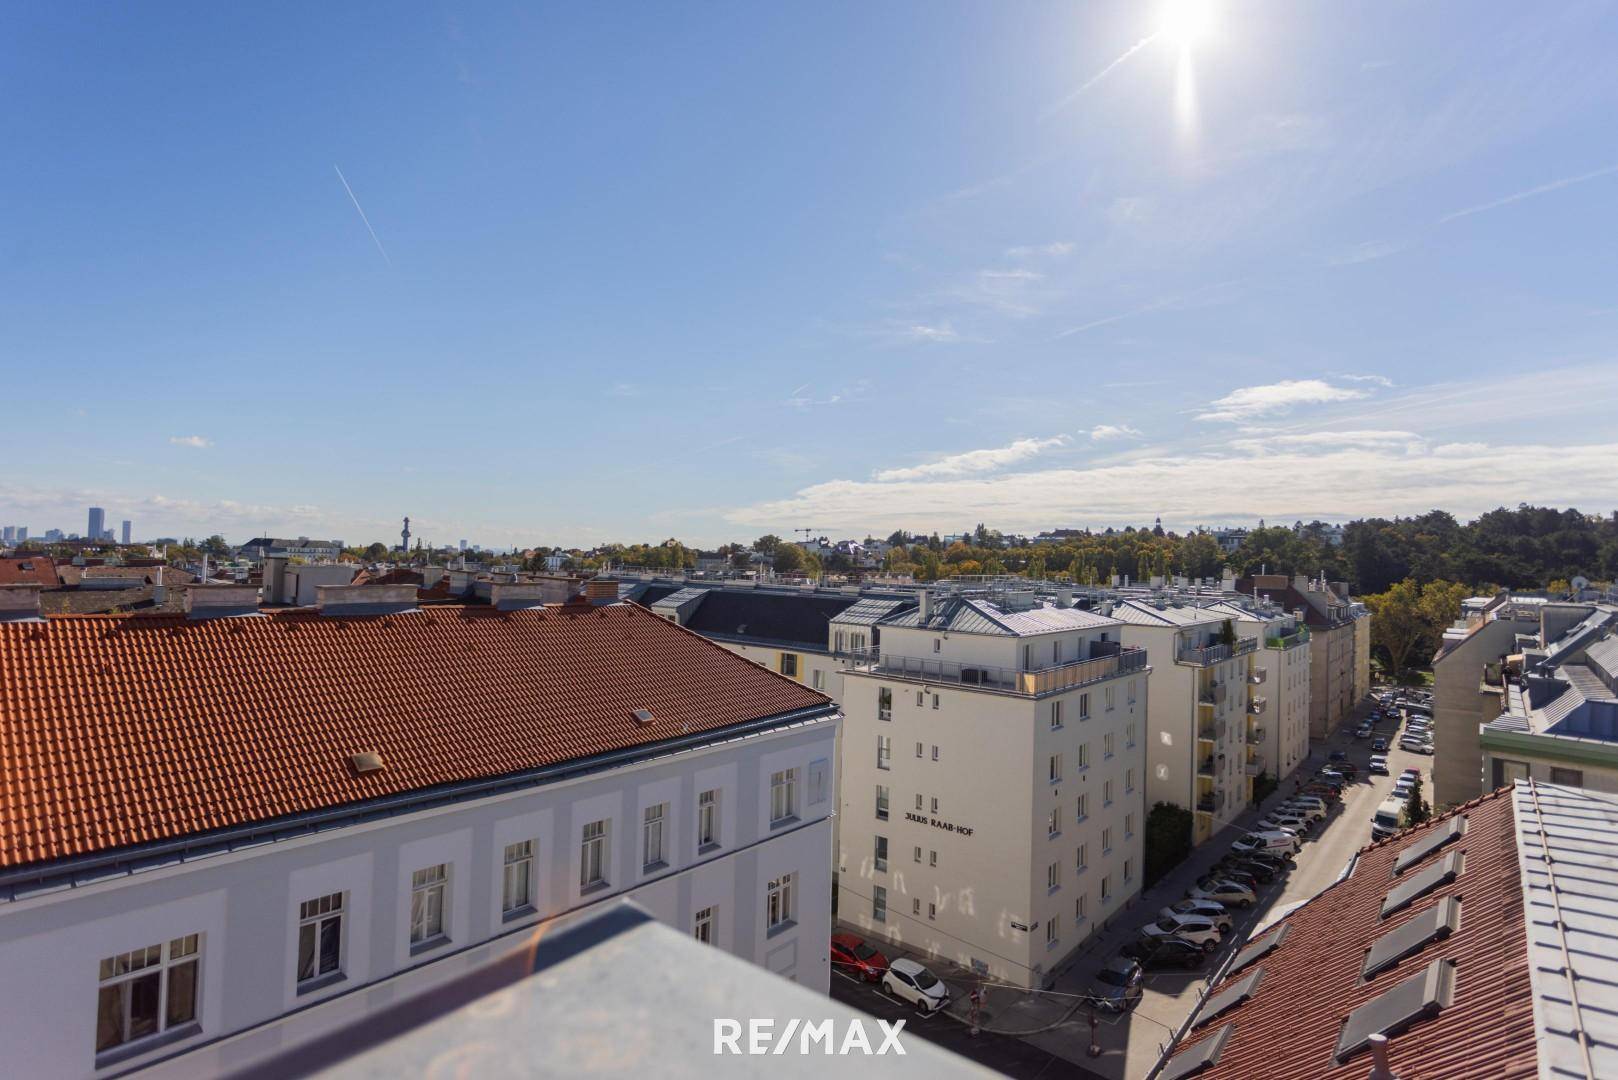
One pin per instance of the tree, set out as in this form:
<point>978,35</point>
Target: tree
<point>1416,808</point>
<point>767,544</point>
<point>215,546</point>
<point>1408,620</point>
<point>788,559</point>
<point>1227,633</point>
<point>1167,841</point>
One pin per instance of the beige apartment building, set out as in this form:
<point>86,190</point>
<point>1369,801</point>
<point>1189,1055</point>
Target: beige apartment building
<point>1339,643</point>
<point>1204,720</point>
<point>1281,668</point>
<point>993,795</point>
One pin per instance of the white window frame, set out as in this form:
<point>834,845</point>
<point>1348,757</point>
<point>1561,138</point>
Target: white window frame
<point>1056,715</point>
<point>1053,876</point>
<point>426,884</point>
<point>783,796</point>
<point>778,898</point>
<point>314,915</point>
<point>517,878</point>
<point>702,927</point>
<point>708,819</point>
<point>884,752</point>
<point>1055,768</point>
<point>654,846</point>
<point>594,851</point>
<point>119,974</point>
<point>884,802</point>
<point>879,904</point>
<point>879,854</point>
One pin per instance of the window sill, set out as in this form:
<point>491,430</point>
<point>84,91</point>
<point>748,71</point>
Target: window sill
<point>118,1054</point>
<point>882,767</point>
<point>527,911</point>
<point>593,888</point>
<point>320,982</point>
<point>429,945</point>
<point>880,868</point>
<point>655,867</point>
<point>781,928</point>
<point>708,848</point>
<point>1049,945</point>
<point>1052,890</point>
<point>1106,851</point>
<point>781,823</point>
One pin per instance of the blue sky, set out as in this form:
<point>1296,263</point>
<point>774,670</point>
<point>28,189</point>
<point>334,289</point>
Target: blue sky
<point>720,269</point>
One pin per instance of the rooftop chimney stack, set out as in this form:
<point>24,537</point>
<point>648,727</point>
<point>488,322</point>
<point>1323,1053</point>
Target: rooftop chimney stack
<point>19,602</point>
<point>220,601</point>
<point>365,599</point>
<point>600,590</point>
<point>926,606</point>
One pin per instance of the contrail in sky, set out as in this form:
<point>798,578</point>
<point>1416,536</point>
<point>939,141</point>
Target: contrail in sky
<point>363,218</point>
<point>1543,189</point>
<point>1098,76</point>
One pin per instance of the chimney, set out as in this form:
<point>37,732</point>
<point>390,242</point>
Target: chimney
<point>600,590</point>
<point>220,601</point>
<point>365,599</point>
<point>1380,1069</point>
<point>275,579</point>
<point>1064,597</point>
<point>528,594</point>
<point>19,602</point>
<point>926,601</point>
<point>432,575</point>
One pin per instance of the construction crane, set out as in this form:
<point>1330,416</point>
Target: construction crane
<point>808,534</point>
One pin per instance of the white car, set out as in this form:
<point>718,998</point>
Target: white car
<point>1310,811</point>
<point>1294,820</point>
<point>1282,843</point>
<point>1212,910</point>
<point>1309,802</point>
<point>1226,892</point>
<point>909,981</point>
<point>1401,791</point>
<point>1193,928</point>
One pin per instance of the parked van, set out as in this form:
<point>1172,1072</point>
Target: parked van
<point>1389,818</point>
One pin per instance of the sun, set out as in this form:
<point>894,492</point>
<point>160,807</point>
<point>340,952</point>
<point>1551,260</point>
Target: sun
<point>1185,22</point>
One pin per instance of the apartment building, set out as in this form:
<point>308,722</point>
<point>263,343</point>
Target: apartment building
<point>1204,716</point>
<point>1339,643</point>
<point>1281,669</point>
<point>993,782</point>
<point>219,818</point>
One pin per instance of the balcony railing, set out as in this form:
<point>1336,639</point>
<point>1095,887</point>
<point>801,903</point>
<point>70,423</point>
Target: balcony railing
<point>1006,680</point>
<point>1255,768</point>
<point>1256,706</point>
<point>1258,676</point>
<point>1212,732</point>
<point>1205,767</point>
<point>1214,654</point>
<point>1206,804</point>
<point>1255,737</point>
<point>1288,641</point>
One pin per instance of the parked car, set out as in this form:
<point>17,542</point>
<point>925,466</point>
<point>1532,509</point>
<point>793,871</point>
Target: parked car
<point>1243,870</point>
<point>1413,773</point>
<point>1333,777</point>
<point>1227,892</point>
<point>1117,987</point>
<point>1312,809</point>
<point>1379,766</point>
<point>1165,952</point>
<point>1279,861</point>
<point>1208,909</point>
<point>1379,743</point>
<point>1322,791</point>
<point>1283,819</point>
<point>1416,745</point>
<point>853,955</point>
<point>1348,769</point>
<point>1401,790</point>
<point>909,981</point>
<point>1193,928</point>
<point>1364,731</point>
<point>1339,755</point>
<point>1391,816</point>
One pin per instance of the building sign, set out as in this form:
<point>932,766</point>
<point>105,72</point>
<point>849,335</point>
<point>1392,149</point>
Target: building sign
<point>923,819</point>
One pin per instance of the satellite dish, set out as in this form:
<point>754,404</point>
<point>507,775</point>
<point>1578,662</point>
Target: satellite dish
<point>1580,583</point>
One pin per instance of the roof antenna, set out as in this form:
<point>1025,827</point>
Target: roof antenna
<point>1380,1069</point>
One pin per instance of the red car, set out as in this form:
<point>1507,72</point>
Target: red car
<point>855,956</point>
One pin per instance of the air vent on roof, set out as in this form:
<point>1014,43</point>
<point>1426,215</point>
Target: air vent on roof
<point>1435,924</point>
<point>1199,1057</point>
<point>1417,998</point>
<point>367,762</point>
<point>643,716</point>
<point>1260,949</point>
<point>1228,999</point>
<point>1416,886</point>
<point>1435,839</point>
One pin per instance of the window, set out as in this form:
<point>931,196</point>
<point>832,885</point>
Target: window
<point>819,771</point>
<point>1053,932</point>
<point>1129,733</point>
<point>881,802</point>
<point>932,858</point>
<point>708,819</point>
<point>935,701</point>
<point>881,857</point>
<point>1106,793</point>
<point>884,704</point>
<point>1570,777</point>
<point>778,902</point>
<point>1112,698</point>
<point>593,855</point>
<point>884,752</point>
<point>1106,745</point>
<point>517,884</point>
<point>935,751</point>
<point>1106,888</point>
<point>920,697</point>
<point>1053,824</point>
<point>428,888</point>
<point>1082,860</point>
<point>1056,716</point>
<point>1129,779</point>
<point>783,795</point>
<point>1080,912</point>
<point>652,837</point>
<point>918,853</point>
<point>1127,871</point>
<point>1129,825</point>
<point>919,748</point>
<point>147,991</point>
<point>1084,807</point>
<point>1084,755</point>
<point>789,665</point>
<point>1106,840</point>
<point>320,937</point>
<point>879,904</point>
<point>938,644</point>
<point>704,925</point>
<point>915,906</point>
<point>1053,876</point>
<point>934,804</point>
<point>1056,767</point>
<point>932,911</point>
<point>1132,691</point>
<point>918,801</point>
<point>817,679</point>
<point>1084,706</point>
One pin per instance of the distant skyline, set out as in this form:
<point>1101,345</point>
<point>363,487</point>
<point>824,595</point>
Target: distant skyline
<point>568,276</point>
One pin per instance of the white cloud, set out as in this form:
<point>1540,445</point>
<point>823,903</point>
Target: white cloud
<point>803,396</point>
<point>1102,432</point>
<point>1369,251</point>
<point>1380,380</point>
<point>1253,402</point>
<point>1057,250</point>
<point>972,461</point>
<point>195,442</point>
<point>941,334</point>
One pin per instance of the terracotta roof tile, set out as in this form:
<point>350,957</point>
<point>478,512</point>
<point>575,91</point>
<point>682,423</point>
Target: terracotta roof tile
<point>1313,981</point>
<point>116,730</point>
<point>30,570</point>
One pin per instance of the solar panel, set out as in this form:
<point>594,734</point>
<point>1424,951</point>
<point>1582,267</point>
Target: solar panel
<point>1436,923</point>
<point>1258,950</point>
<point>1418,885</point>
<point>1199,1057</point>
<point>1417,998</point>
<point>1226,1000</point>
<point>1435,839</point>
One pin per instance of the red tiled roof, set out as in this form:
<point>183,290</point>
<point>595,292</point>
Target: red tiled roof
<point>1289,1028</point>
<point>118,730</point>
<point>29,570</point>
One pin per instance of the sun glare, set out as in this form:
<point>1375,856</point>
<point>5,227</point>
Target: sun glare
<point>1185,22</point>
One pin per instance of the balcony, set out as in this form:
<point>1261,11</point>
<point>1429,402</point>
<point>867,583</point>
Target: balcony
<point>1256,706</point>
<point>1003,680</point>
<point>1288,641</point>
<point>1205,805</point>
<point>1208,655</point>
<point>1258,676</point>
<point>1255,768</point>
<point>1212,732</point>
<point>1255,737</point>
<point>1205,768</point>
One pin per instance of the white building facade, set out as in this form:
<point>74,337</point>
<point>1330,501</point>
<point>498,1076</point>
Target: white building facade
<point>1280,734</point>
